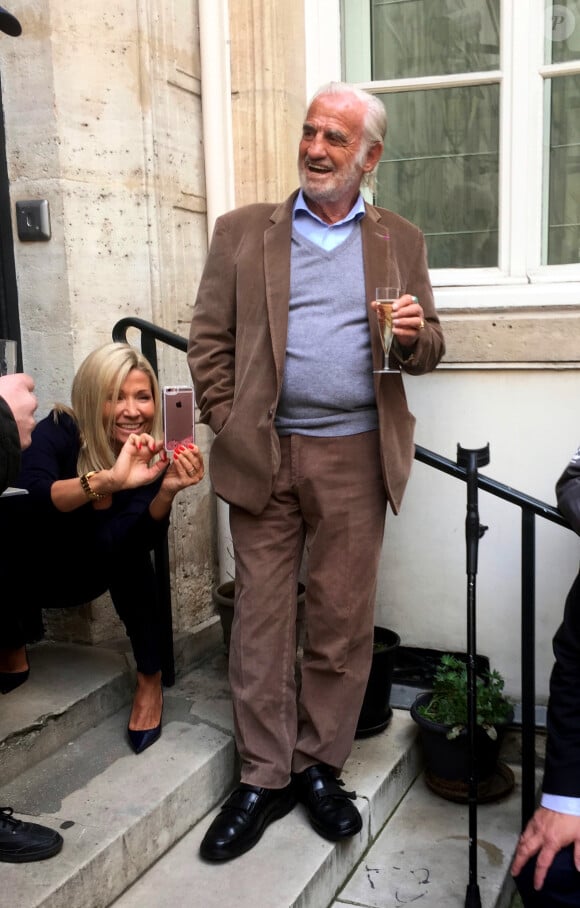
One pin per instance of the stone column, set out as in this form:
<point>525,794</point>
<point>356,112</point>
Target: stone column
<point>268,96</point>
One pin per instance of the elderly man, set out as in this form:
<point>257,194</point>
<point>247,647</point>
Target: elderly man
<point>310,445</point>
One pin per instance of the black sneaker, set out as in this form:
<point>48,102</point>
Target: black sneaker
<point>21,842</point>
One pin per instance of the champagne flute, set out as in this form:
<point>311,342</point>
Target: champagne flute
<point>385,297</point>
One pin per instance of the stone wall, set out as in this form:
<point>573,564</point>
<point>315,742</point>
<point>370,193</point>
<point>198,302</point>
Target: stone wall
<point>102,106</point>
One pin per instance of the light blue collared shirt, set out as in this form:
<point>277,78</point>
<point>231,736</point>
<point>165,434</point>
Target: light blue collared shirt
<point>561,804</point>
<point>327,236</point>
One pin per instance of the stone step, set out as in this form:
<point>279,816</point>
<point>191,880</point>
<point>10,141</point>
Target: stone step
<point>414,846</point>
<point>291,865</point>
<point>65,762</point>
<point>132,824</point>
<point>422,854</point>
<point>70,689</point>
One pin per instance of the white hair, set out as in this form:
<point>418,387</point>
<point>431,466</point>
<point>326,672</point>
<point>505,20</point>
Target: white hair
<point>375,121</point>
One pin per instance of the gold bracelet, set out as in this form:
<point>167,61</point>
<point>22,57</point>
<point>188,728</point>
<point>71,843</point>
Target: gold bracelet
<point>90,493</point>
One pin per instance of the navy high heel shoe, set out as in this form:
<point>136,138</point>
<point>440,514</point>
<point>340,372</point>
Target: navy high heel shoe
<point>141,739</point>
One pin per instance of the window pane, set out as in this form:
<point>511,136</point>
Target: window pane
<point>562,33</point>
<point>563,170</point>
<point>440,170</point>
<point>433,37</point>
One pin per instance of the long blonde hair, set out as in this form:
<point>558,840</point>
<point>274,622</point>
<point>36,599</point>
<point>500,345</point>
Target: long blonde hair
<point>98,379</point>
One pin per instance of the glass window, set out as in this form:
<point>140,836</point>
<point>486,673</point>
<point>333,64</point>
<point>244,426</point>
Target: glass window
<point>440,170</point>
<point>441,161</point>
<point>483,145</point>
<point>562,243</point>
<point>562,35</point>
<point>431,37</point>
<point>561,214</point>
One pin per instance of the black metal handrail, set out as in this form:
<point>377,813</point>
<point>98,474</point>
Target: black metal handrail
<point>530,509</point>
<point>150,334</point>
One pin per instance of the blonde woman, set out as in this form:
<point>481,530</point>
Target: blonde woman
<point>100,494</point>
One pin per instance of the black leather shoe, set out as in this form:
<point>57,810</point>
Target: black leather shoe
<point>330,808</point>
<point>22,842</point>
<point>243,818</point>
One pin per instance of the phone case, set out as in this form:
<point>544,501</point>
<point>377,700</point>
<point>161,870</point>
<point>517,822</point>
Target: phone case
<point>178,416</point>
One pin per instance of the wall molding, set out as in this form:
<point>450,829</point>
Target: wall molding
<point>534,337</point>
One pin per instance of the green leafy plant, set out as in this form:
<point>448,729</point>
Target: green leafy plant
<point>448,703</point>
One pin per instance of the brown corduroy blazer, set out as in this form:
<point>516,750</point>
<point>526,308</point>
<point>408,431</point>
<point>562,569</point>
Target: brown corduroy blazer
<point>237,344</point>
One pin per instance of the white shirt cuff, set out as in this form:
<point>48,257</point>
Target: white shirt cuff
<point>561,804</point>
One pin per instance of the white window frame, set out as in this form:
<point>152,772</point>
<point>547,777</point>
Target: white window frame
<point>520,280</point>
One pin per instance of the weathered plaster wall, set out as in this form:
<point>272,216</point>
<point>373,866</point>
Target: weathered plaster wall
<point>103,118</point>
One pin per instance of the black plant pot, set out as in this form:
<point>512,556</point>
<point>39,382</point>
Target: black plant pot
<point>449,759</point>
<point>376,712</point>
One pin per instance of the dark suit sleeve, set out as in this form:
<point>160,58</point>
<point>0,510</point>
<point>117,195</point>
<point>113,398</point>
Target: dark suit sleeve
<point>568,492</point>
<point>562,770</point>
<point>9,446</point>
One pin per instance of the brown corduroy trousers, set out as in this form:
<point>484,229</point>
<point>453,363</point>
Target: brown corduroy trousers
<point>329,495</point>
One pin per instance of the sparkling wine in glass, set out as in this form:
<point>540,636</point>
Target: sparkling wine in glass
<point>385,297</point>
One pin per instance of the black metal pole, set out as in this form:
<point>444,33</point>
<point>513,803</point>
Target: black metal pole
<point>471,459</point>
<point>528,624</point>
<point>9,312</point>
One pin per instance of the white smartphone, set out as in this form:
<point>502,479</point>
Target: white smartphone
<point>178,416</point>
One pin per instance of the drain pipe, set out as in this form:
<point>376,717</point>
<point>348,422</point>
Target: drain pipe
<point>214,40</point>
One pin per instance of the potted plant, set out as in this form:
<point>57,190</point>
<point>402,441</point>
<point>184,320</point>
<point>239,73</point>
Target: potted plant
<point>376,712</point>
<point>441,715</point>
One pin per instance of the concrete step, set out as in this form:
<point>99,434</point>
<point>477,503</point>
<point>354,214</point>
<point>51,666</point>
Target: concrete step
<point>70,689</point>
<point>132,824</point>
<point>291,865</point>
<point>422,854</point>
<point>117,812</point>
<point>414,846</point>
